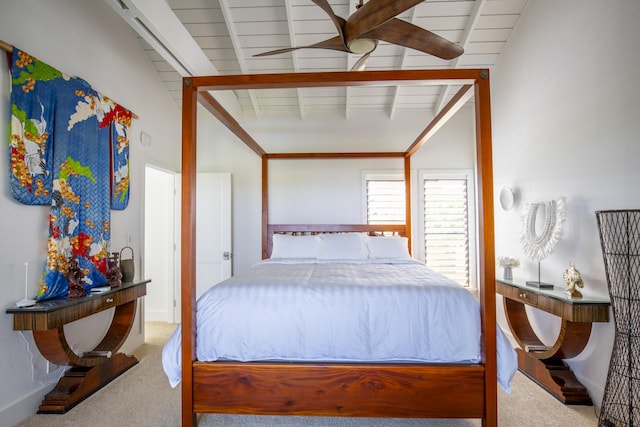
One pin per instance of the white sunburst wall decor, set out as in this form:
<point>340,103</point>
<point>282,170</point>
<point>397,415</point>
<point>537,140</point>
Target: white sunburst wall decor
<point>538,245</point>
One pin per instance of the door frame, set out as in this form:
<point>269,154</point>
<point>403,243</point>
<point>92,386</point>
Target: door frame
<point>174,244</point>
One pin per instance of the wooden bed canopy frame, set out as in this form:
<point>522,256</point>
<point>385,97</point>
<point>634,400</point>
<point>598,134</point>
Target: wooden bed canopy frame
<point>330,389</point>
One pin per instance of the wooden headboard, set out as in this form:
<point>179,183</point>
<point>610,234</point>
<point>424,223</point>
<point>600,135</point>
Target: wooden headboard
<point>302,229</point>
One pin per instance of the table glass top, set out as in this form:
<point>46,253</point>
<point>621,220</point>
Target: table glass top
<point>558,292</point>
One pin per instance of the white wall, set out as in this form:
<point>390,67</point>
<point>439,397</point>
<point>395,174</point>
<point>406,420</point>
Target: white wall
<point>566,121</point>
<point>86,39</point>
<point>319,190</point>
<point>220,151</point>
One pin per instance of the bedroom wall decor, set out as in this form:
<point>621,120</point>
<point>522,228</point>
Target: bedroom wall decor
<point>69,150</point>
<point>573,280</point>
<point>508,198</point>
<point>620,241</point>
<point>538,245</point>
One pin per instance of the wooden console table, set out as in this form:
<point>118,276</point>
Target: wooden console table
<point>92,370</point>
<point>544,364</point>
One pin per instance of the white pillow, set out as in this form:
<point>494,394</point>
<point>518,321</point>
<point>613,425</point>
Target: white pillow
<point>388,247</point>
<point>290,246</point>
<point>342,246</point>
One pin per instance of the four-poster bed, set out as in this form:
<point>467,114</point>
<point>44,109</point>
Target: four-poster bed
<point>428,390</point>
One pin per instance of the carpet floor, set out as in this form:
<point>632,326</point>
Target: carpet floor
<point>142,397</point>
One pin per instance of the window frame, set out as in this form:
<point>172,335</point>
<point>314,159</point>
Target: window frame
<point>469,175</point>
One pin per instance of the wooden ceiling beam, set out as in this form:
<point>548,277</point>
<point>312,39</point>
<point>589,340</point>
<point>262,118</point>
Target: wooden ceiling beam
<point>218,111</point>
<point>472,22</point>
<point>403,63</point>
<point>360,155</point>
<point>458,100</point>
<point>294,55</point>
<point>337,79</point>
<point>237,48</point>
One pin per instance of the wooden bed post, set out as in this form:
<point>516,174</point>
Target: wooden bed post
<point>486,259</point>
<point>265,204</point>
<point>407,192</point>
<point>188,242</point>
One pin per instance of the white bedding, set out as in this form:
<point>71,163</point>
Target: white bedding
<point>348,311</point>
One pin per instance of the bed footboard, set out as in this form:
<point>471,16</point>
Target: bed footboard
<point>358,390</point>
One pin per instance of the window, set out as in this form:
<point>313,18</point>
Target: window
<point>447,228</point>
<point>385,202</point>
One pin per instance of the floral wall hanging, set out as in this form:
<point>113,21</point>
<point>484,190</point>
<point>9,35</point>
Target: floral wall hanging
<point>69,150</point>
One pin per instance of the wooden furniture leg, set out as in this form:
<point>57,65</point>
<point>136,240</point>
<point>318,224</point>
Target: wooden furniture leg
<point>547,367</point>
<point>88,373</point>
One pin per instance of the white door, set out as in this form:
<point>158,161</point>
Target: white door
<point>213,229</point>
<point>158,254</point>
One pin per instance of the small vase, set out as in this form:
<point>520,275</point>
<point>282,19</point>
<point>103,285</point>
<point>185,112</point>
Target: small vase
<point>507,274</point>
<point>127,267</point>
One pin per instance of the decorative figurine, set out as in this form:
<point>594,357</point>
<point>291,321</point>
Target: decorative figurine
<point>572,278</point>
<point>114,275</point>
<point>75,279</point>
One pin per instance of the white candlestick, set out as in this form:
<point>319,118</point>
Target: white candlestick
<point>26,302</point>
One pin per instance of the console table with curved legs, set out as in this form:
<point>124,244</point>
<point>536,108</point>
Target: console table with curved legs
<point>92,370</point>
<point>544,364</point>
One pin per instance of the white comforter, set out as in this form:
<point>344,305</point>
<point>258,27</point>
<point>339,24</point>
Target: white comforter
<point>388,311</point>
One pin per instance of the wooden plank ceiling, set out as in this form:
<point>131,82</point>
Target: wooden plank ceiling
<point>227,33</point>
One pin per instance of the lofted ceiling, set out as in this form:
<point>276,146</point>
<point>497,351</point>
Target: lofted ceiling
<point>211,37</point>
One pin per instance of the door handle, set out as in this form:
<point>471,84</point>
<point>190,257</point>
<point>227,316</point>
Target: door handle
<point>226,256</point>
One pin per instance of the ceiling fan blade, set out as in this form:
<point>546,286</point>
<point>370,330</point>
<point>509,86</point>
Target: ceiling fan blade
<point>361,63</point>
<point>278,51</point>
<point>335,43</point>
<point>337,21</point>
<point>372,14</point>
<point>403,33</point>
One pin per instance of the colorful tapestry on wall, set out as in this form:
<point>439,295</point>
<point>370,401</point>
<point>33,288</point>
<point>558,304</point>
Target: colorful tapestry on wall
<point>69,150</point>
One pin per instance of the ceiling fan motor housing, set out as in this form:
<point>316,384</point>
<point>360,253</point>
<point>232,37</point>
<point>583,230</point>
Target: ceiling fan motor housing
<point>362,45</point>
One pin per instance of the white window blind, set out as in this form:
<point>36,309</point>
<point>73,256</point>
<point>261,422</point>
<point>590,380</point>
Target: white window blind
<point>385,201</point>
<point>446,228</point>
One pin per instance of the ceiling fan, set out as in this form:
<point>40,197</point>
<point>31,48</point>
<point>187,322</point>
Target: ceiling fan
<point>375,21</point>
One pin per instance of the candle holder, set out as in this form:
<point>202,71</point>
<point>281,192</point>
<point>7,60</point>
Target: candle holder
<point>26,302</point>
